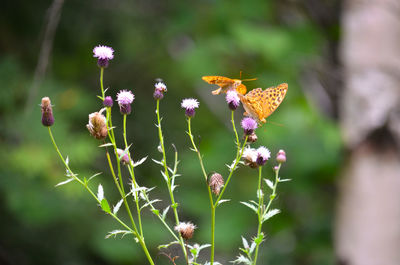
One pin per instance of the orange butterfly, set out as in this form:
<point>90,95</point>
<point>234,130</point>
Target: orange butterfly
<point>226,84</point>
<point>259,104</point>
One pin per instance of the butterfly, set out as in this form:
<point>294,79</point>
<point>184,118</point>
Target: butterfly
<point>226,84</point>
<point>259,104</point>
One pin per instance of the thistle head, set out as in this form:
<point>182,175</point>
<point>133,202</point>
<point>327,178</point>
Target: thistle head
<point>249,125</point>
<point>186,230</point>
<point>190,104</point>
<point>103,54</point>
<point>97,125</point>
<point>125,99</point>
<point>263,154</point>
<point>216,182</point>
<point>232,99</point>
<point>159,89</point>
<point>47,112</point>
<point>281,156</point>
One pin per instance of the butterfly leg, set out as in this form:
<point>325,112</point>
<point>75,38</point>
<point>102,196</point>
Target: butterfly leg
<point>216,91</point>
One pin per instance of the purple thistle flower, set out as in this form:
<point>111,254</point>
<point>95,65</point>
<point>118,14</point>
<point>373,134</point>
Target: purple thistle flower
<point>232,99</point>
<point>159,89</point>
<point>190,104</point>
<point>125,99</point>
<point>47,112</point>
<point>108,102</point>
<point>103,55</point>
<point>263,154</point>
<point>249,125</point>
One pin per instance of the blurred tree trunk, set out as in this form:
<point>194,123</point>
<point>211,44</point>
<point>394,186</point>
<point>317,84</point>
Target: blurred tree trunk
<point>368,210</point>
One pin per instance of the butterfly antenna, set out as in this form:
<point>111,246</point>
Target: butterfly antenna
<point>252,79</point>
<point>277,124</point>
<point>240,74</point>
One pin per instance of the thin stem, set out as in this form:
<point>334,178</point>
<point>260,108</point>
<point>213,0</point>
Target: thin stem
<point>101,82</point>
<point>132,173</point>
<point>212,204</point>
<point>233,167</point>
<point>261,209</point>
<point>154,210</point>
<point>84,184</point>
<point>166,172</point>
<point>234,129</point>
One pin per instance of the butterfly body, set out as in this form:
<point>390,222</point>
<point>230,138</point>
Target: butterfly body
<point>225,84</point>
<point>259,104</point>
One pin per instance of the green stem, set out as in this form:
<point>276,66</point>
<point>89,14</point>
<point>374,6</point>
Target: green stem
<point>212,204</point>
<point>132,173</point>
<point>134,232</point>
<point>234,129</point>
<point>262,211</point>
<point>171,194</point>
<point>233,167</point>
<point>101,82</point>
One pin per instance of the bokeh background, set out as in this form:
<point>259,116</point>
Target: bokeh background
<point>46,50</point>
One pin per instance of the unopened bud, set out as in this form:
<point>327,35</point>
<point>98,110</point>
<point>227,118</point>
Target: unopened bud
<point>252,137</point>
<point>186,230</point>
<point>47,112</point>
<point>216,182</point>
<point>97,125</point>
<point>108,102</point>
<point>281,156</point>
<point>125,158</point>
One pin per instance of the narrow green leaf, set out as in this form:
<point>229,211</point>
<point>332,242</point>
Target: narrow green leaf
<point>105,206</point>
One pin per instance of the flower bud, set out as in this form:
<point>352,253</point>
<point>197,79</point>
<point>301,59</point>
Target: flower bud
<point>125,159</point>
<point>216,182</point>
<point>108,102</point>
<point>186,230</point>
<point>97,125</point>
<point>252,138</point>
<point>281,156</point>
<point>47,112</point>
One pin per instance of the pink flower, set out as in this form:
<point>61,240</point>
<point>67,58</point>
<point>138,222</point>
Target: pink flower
<point>232,99</point>
<point>249,125</point>
<point>189,104</point>
<point>125,99</point>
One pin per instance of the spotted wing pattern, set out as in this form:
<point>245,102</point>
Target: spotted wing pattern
<point>260,104</point>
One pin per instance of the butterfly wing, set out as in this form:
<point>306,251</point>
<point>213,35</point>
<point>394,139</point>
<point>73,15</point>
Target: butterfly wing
<point>253,103</point>
<point>273,98</point>
<point>224,84</point>
<point>218,80</point>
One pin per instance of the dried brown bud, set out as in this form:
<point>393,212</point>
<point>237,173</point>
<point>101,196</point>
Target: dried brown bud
<point>97,125</point>
<point>216,182</point>
<point>185,229</point>
<point>252,138</point>
<point>47,112</point>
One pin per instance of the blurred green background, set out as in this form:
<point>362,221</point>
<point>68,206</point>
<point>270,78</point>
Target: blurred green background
<point>178,41</point>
